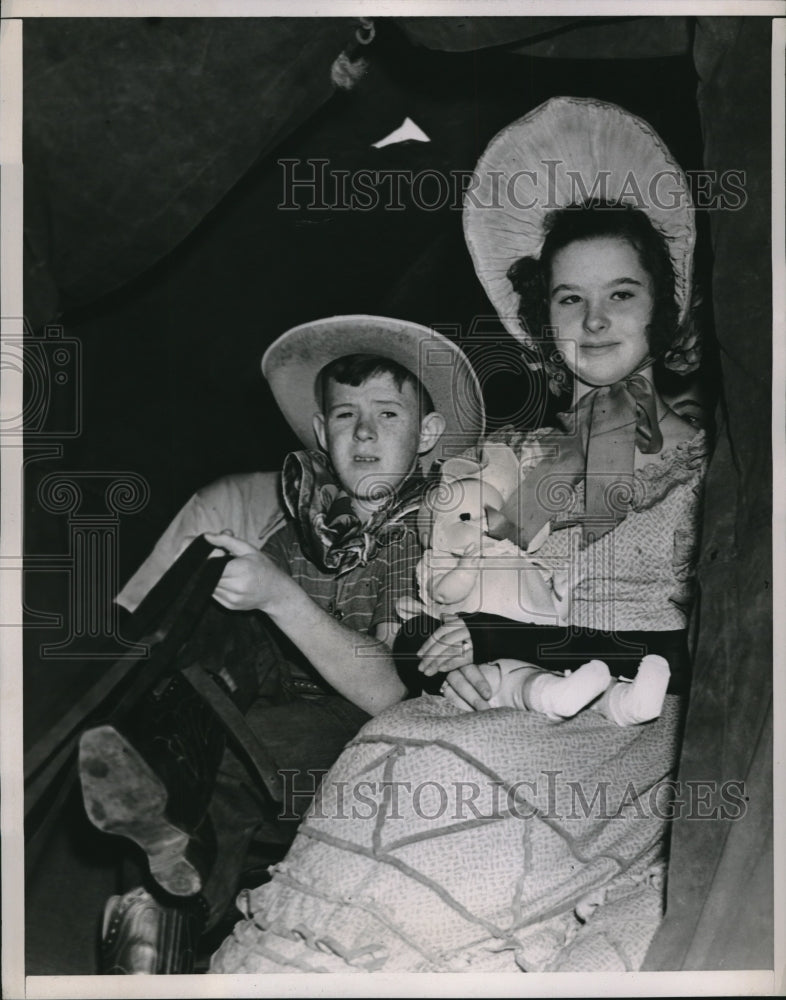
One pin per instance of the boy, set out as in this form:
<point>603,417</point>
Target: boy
<point>375,395</point>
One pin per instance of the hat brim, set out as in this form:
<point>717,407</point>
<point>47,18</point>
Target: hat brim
<point>292,363</point>
<point>556,156</point>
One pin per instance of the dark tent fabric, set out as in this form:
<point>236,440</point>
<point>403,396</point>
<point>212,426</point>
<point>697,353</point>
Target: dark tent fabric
<point>719,868</point>
<point>90,229</point>
<point>559,37</point>
<point>117,192</point>
<point>177,123</point>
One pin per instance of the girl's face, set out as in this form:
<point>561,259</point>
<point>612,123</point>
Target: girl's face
<point>601,301</point>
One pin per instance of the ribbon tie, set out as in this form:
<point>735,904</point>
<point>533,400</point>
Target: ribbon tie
<point>596,442</point>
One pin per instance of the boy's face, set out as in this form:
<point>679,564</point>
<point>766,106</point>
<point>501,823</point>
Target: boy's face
<point>373,434</point>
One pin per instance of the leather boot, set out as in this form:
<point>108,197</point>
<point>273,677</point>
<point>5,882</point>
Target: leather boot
<point>150,779</point>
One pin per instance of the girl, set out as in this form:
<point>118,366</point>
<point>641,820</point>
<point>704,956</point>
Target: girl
<point>625,469</point>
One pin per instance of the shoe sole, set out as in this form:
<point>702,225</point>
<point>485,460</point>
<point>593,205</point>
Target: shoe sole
<point>124,796</point>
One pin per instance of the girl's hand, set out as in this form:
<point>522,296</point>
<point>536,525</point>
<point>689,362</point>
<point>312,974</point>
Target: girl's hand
<point>507,679</point>
<point>470,688</point>
<point>449,648</point>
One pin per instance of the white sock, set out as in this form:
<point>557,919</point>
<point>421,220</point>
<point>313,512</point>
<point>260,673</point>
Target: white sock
<point>561,697</point>
<point>629,704</point>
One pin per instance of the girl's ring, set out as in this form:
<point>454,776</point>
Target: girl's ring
<point>443,687</point>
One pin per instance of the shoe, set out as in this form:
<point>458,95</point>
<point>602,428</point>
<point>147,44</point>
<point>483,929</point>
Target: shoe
<point>151,781</point>
<point>142,936</point>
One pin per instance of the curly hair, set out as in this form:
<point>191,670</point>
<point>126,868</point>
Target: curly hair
<point>531,276</point>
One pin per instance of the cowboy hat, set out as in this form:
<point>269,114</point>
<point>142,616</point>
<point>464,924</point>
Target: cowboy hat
<point>292,363</point>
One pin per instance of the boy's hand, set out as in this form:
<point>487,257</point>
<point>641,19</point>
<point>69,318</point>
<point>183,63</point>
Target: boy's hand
<point>249,580</point>
<point>410,607</point>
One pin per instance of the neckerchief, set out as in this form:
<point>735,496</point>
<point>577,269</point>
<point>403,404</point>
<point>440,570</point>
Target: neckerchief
<point>332,535</point>
<point>596,442</point>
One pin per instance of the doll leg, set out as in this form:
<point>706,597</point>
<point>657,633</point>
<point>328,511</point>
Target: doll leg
<point>629,704</point>
<point>561,697</point>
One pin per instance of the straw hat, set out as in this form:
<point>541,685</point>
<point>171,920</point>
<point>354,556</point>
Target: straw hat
<point>292,362</point>
<point>568,151</point>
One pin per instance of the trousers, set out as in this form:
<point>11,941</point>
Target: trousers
<point>303,733</point>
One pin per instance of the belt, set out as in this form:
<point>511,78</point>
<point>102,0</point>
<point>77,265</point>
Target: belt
<point>301,685</point>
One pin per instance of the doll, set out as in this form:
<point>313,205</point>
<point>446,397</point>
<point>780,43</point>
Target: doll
<point>465,569</point>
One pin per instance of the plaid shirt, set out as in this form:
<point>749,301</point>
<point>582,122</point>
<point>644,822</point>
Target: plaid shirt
<point>365,596</point>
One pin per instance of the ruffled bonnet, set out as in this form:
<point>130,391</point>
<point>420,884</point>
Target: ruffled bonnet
<point>570,151</point>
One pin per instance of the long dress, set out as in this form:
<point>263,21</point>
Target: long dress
<point>499,840</point>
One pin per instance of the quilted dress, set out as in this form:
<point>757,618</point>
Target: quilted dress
<point>499,840</point>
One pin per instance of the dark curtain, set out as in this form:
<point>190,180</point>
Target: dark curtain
<point>720,892</point>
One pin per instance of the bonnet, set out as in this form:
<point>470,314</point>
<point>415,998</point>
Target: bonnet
<point>571,151</point>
